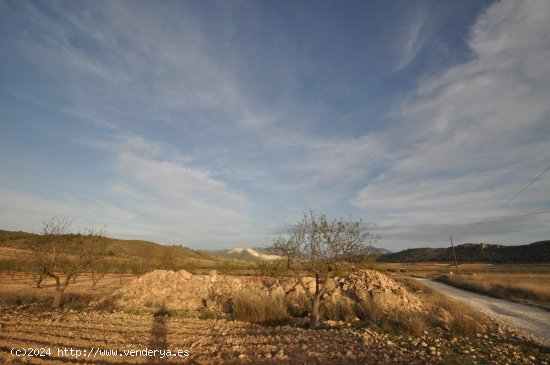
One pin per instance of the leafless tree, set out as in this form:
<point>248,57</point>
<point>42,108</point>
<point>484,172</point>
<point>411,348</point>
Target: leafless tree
<point>98,270</point>
<point>10,267</point>
<point>37,280</point>
<point>63,256</point>
<point>319,247</point>
<point>168,259</point>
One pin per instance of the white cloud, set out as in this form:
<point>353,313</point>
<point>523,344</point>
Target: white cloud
<point>172,180</point>
<point>500,229</point>
<point>468,138</point>
<point>25,211</point>
<point>478,132</point>
<point>182,199</point>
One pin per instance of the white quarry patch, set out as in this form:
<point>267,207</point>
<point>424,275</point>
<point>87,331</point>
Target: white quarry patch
<point>255,253</point>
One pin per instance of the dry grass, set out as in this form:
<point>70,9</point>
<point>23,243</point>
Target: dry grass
<point>259,307</point>
<point>342,310</point>
<point>441,311</point>
<point>299,305</point>
<point>370,311</point>
<point>531,289</point>
<point>464,320</point>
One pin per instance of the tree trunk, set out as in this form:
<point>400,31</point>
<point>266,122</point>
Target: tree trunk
<point>57,297</point>
<point>314,317</point>
<point>39,279</point>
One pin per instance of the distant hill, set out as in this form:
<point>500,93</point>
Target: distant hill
<point>377,250</point>
<point>475,252</point>
<point>257,254</point>
<point>118,248</point>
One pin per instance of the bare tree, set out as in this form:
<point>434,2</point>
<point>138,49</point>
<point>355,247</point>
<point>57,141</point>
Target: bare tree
<point>168,259</point>
<point>319,247</point>
<point>98,270</point>
<point>10,267</point>
<point>63,256</point>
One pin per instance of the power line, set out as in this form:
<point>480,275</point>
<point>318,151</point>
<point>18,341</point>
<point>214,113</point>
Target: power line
<point>506,202</point>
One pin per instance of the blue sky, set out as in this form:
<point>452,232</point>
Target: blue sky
<point>215,123</point>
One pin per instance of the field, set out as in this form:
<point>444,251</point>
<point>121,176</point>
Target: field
<point>96,333</point>
<point>434,269</point>
<point>521,283</point>
<point>527,288</point>
<point>145,299</point>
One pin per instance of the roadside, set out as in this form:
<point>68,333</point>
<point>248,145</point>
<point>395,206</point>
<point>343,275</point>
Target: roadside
<point>531,320</point>
<point>532,289</point>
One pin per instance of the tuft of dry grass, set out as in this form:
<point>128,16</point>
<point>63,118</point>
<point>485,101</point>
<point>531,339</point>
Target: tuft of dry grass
<point>259,307</point>
<point>442,311</point>
<point>342,310</point>
<point>456,317</point>
<point>370,311</point>
<point>299,305</point>
<point>521,289</point>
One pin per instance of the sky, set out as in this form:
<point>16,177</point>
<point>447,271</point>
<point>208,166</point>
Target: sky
<point>215,124</point>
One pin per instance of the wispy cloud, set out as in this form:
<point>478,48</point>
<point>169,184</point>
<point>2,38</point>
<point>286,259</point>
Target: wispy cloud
<point>186,127</point>
<point>134,69</point>
<point>480,129</point>
<point>501,229</point>
<point>418,30</point>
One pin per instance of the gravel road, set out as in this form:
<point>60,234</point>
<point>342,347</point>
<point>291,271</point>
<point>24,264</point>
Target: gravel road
<point>529,319</point>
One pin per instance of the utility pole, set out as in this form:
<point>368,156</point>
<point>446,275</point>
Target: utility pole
<point>454,254</point>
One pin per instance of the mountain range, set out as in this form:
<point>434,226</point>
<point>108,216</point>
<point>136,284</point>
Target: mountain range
<point>475,252</point>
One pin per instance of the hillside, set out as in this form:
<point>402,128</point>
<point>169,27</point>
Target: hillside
<point>472,252</point>
<point>125,249</point>
<point>377,250</point>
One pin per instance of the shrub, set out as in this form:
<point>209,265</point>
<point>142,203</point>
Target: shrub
<point>298,305</point>
<point>24,299</point>
<point>370,310</point>
<point>259,307</point>
<point>107,304</point>
<point>465,321</point>
<point>77,301</point>
<point>273,269</point>
<point>341,310</point>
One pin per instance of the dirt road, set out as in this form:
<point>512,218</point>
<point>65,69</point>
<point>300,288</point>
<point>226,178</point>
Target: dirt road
<point>529,319</point>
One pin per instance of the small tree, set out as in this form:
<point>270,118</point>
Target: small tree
<point>319,247</point>
<point>122,269</point>
<point>138,267</point>
<point>168,259</point>
<point>10,267</point>
<point>63,256</point>
<point>98,270</point>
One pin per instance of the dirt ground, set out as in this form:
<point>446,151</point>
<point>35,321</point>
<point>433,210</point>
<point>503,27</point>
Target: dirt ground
<point>86,336</point>
<point>23,284</point>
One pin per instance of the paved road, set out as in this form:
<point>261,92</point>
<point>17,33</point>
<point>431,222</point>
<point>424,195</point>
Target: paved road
<point>531,320</point>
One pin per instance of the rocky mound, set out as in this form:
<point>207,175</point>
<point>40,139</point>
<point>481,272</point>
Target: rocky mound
<point>184,291</point>
<point>372,285</point>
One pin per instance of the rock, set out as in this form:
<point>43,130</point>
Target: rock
<point>443,317</point>
<point>371,285</point>
<point>182,291</point>
<point>185,275</point>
